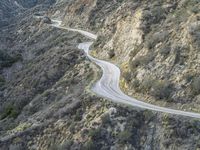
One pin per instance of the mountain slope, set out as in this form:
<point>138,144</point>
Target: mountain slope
<point>45,101</point>
<point>155,43</point>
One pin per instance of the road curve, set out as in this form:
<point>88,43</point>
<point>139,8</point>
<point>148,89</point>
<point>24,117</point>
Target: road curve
<point>108,85</point>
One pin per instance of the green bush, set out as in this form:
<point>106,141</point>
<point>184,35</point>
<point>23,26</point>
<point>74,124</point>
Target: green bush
<point>90,145</point>
<point>105,119</point>
<point>189,76</point>
<point>147,58</point>
<point>6,60</point>
<point>2,81</point>
<point>99,42</point>
<point>158,13</point>
<point>177,53</point>
<point>133,64</point>
<point>195,86</point>
<point>162,90</point>
<point>127,76</point>
<point>195,9</point>
<point>148,115</point>
<point>10,111</point>
<point>17,147</point>
<point>136,85</point>
<point>72,127</point>
<point>147,84</point>
<point>124,136</point>
<point>154,16</point>
<point>95,134</point>
<point>111,53</point>
<point>65,146</point>
<point>164,51</point>
<point>78,115</point>
<point>141,61</point>
<point>134,52</point>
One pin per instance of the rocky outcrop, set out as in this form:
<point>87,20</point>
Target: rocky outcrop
<point>45,101</point>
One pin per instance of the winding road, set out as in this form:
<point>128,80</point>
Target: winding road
<point>108,85</point>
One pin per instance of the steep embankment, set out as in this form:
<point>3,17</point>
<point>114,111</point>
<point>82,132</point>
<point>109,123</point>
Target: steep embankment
<point>155,43</point>
<point>44,99</point>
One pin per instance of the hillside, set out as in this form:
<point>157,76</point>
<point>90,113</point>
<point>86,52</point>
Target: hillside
<point>155,43</point>
<point>46,102</point>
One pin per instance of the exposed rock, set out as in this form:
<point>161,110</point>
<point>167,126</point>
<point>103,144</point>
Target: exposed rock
<point>45,103</point>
